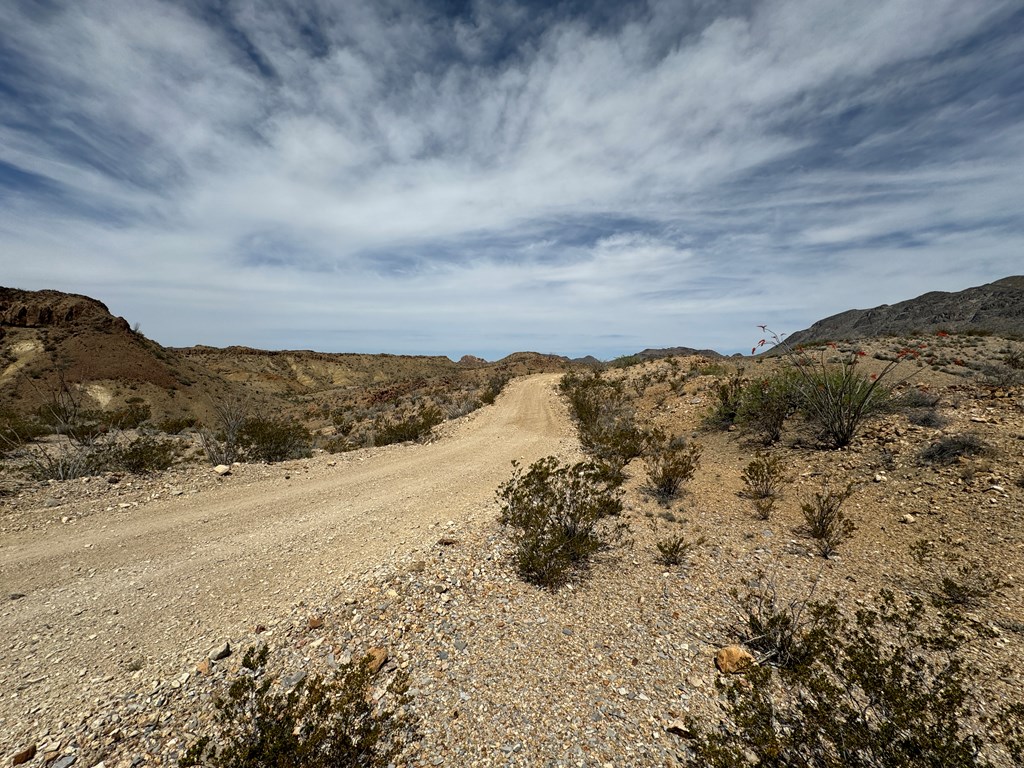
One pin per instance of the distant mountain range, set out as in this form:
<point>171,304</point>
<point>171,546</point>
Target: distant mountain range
<point>996,308</point>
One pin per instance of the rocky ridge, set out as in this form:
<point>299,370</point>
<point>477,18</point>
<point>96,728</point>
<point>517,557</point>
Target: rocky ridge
<point>996,307</point>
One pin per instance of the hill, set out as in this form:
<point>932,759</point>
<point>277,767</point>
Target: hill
<point>996,308</point>
<point>49,339</point>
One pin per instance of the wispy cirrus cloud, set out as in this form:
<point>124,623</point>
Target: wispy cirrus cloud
<point>497,176</point>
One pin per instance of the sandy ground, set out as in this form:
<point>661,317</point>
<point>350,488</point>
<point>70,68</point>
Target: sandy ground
<point>154,587</point>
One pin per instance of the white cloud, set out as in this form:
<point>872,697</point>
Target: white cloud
<point>620,180</point>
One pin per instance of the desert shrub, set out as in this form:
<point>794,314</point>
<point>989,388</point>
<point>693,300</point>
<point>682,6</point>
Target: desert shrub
<point>765,405</point>
<point>1013,357</point>
<point>413,426</point>
<point>670,465</point>
<point>825,521</point>
<point>492,389</point>
<point>927,417</point>
<point>915,398</point>
<point>764,477</point>
<point>177,425</point>
<point>729,396</point>
<point>836,397</point>
<point>221,445</point>
<point>837,400</point>
<point>951,448</point>
<point>129,417</point>
<point>317,723</point>
<point>143,454</point>
<point>604,420</point>
<point>676,550</point>
<point>783,632</point>
<point>968,586</point>
<point>960,583</point>
<point>270,440</point>
<point>1001,376</point>
<point>888,689</point>
<point>559,516</point>
<point>16,430</point>
<point>68,460</point>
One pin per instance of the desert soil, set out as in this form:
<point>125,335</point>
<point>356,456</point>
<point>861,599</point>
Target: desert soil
<point>157,582</point>
<point>128,585</point>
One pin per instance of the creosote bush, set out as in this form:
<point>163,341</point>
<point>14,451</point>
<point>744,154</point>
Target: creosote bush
<point>559,515</point>
<point>729,394</point>
<point>764,478</point>
<point>766,404</point>
<point>604,420</point>
<point>144,453</point>
<point>825,521</point>
<point>784,633</point>
<point>319,723</point>
<point>889,688</point>
<point>675,550</point>
<point>670,465</point>
<point>407,427</point>
<point>273,439</point>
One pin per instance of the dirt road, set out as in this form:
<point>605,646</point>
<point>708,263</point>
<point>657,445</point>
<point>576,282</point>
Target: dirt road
<point>147,590</point>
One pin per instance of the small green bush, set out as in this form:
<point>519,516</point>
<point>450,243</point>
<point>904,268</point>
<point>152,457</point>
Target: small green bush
<point>270,440</point>
<point>670,466</point>
<point>129,417</point>
<point>927,417</point>
<point>764,477</point>
<point>492,389</point>
<point>889,689</point>
<point>825,521</point>
<point>319,723</point>
<point>729,394</point>
<point>143,454</point>
<point>765,405</point>
<point>676,550</point>
<point>917,398</point>
<point>15,430</point>
<point>68,461</point>
<point>558,514</point>
<point>784,633</point>
<point>604,420</point>
<point>413,426</point>
<point>951,448</point>
<point>177,425</point>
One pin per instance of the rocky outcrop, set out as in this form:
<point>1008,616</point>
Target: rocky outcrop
<point>39,309</point>
<point>994,307</point>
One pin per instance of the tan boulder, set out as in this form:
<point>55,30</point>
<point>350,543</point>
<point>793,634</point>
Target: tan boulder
<point>733,659</point>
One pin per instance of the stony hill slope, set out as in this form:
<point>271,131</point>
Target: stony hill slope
<point>996,307</point>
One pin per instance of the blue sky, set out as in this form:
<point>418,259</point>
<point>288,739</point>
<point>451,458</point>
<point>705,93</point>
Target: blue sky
<point>487,177</point>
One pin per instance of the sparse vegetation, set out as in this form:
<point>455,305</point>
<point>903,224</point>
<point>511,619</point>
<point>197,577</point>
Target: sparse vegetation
<point>784,633</point>
<point>273,439</point>
<point>605,421</point>
<point>834,394</point>
<point>670,465</point>
<point>950,449</point>
<point>729,394</point>
<point>144,453</point>
<point>407,427</point>
<point>317,723</point>
<point>889,689</point>
<point>766,404</point>
<point>763,479</point>
<point>222,445</point>
<point>825,521</point>
<point>675,550</point>
<point>560,518</point>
